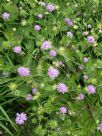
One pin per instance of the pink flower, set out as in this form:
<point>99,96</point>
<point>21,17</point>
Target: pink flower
<point>43,4</point>
<point>91,89</point>
<point>85,59</point>
<point>68,21</point>
<point>81,96</point>
<point>81,67</point>
<point>85,77</point>
<point>91,39</point>
<point>29,97</point>
<point>17,49</point>
<point>34,90</point>
<point>69,34</point>
<point>62,88</point>
<point>23,71</point>
<point>84,33</point>
<point>5,15</point>
<point>60,63</point>
<point>63,110</point>
<point>40,16</point>
<point>100,127</point>
<point>46,45</point>
<point>50,7</point>
<point>20,118</point>
<point>53,53</point>
<point>53,72</point>
<point>37,27</point>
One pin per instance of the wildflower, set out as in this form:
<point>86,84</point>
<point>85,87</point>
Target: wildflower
<point>63,110</point>
<point>62,88</point>
<point>5,16</point>
<point>34,90</point>
<point>40,16</point>
<point>37,27</point>
<point>68,21</point>
<point>85,33</point>
<point>53,53</point>
<point>23,71</point>
<point>100,127</point>
<point>69,34</point>
<point>20,118</point>
<point>43,4</point>
<point>17,49</point>
<point>29,97</point>
<point>91,89</point>
<point>53,72</point>
<point>50,7</point>
<point>46,45</point>
<point>81,67</point>
<point>85,77</point>
<point>85,59</point>
<point>90,39</point>
<point>60,63</point>
<point>81,96</point>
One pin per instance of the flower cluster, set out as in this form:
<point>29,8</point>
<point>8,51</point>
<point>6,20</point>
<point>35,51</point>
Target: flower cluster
<point>23,71</point>
<point>53,72</point>
<point>50,67</point>
<point>21,118</point>
<point>62,88</point>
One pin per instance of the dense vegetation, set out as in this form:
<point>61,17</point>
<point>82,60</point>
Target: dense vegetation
<point>50,68</point>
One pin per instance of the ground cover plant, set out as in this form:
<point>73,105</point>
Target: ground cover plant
<point>50,68</point>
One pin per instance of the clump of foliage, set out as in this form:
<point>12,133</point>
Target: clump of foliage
<point>50,68</point>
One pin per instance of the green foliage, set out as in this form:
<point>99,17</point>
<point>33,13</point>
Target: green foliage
<point>43,111</point>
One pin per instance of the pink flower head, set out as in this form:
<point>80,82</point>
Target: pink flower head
<point>37,27</point>
<point>91,39</point>
<point>53,53</point>
<point>60,63</point>
<point>40,16</point>
<point>68,21</point>
<point>100,127</point>
<point>81,67</point>
<point>91,89</point>
<point>69,34</point>
<point>85,77</point>
<point>5,15</point>
<point>46,45</point>
<point>62,88</point>
<point>34,90</point>
<point>17,49</point>
<point>43,4</point>
<point>85,59</point>
<point>63,110</point>
<point>84,33</point>
<point>20,118</point>
<point>50,7</point>
<point>81,96</point>
<point>29,97</point>
<point>23,71</point>
<point>53,72</point>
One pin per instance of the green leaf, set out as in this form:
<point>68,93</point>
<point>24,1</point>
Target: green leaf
<point>6,129</point>
<point>5,114</point>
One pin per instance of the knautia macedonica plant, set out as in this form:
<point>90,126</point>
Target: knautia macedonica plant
<point>50,68</point>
